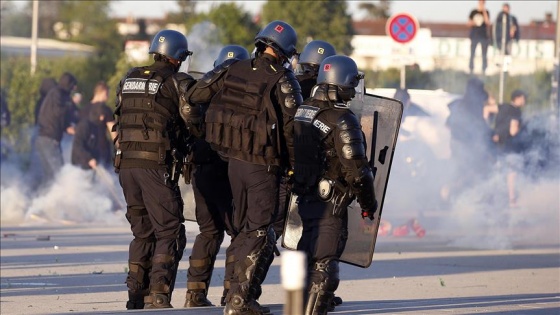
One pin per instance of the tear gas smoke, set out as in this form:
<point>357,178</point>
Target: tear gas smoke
<point>77,195</point>
<point>471,208</point>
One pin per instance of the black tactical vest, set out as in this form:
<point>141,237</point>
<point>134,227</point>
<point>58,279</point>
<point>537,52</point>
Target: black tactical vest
<point>241,120</point>
<point>309,137</point>
<point>144,123</point>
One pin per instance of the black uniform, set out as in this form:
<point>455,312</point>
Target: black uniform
<point>104,142</point>
<point>149,132</point>
<point>213,199</point>
<point>330,147</point>
<point>250,120</point>
<point>85,143</point>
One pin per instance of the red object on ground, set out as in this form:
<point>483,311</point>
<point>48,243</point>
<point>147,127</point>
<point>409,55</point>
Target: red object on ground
<point>384,228</point>
<point>417,228</point>
<point>401,230</point>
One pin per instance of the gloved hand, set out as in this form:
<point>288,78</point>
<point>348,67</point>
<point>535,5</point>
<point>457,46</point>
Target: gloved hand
<point>369,212</point>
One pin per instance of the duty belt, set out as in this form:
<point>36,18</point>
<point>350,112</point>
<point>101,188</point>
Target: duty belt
<point>143,155</point>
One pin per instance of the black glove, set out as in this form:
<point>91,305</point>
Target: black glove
<point>369,212</point>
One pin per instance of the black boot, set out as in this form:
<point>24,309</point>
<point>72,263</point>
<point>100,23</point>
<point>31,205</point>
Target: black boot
<point>223,299</point>
<point>237,306</point>
<point>197,298</point>
<point>336,301</point>
<point>136,300</point>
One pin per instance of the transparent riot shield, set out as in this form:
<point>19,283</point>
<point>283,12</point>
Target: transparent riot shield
<point>380,118</point>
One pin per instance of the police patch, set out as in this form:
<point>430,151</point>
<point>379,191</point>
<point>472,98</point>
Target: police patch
<point>135,85</point>
<point>306,113</point>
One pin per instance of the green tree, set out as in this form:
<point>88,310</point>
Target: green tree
<point>15,22</point>
<point>185,14</point>
<point>380,10</point>
<point>325,20</point>
<point>235,25</point>
<point>75,22</point>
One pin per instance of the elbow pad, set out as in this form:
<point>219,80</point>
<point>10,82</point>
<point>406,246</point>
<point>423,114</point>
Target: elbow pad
<point>351,137</point>
<point>213,75</point>
<point>290,90</point>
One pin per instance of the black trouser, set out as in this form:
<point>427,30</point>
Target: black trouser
<point>323,239</point>
<point>155,214</point>
<point>213,199</point>
<point>484,46</point>
<point>324,235</point>
<point>255,196</point>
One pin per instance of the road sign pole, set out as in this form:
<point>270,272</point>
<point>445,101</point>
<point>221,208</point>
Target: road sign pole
<point>402,28</point>
<point>403,75</point>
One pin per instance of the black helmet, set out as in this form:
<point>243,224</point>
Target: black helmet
<point>339,70</point>
<point>279,35</point>
<point>315,52</point>
<point>232,52</point>
<point>171,44</point>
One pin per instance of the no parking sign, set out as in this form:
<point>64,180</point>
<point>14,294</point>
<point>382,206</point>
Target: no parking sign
<point>402,27</point>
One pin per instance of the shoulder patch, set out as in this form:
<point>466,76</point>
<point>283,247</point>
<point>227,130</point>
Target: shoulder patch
<point>306,113</point>
<point>137,85</point>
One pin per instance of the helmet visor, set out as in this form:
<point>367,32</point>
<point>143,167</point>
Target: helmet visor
<point>361,87</point>
<point>185,65</point>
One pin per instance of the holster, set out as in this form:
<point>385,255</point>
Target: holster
<point>117,160</point>
<point>187,168</point>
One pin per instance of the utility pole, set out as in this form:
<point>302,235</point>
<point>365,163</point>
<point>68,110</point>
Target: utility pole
<point>503,53</point>
<point>34,37</point>
<point>555,97</point>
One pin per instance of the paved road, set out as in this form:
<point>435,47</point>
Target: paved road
<point>81,269</point>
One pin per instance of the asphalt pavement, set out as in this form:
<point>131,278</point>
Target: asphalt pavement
<point>67,268</point>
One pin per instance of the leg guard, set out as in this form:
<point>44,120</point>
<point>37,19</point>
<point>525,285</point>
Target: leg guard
<point>250,273</point>
<point>205,249</point>
<point>256,265</point>
<point>324,281</point>
<point>138,282</point>
<point>161,288</point>
<point>228,274</point>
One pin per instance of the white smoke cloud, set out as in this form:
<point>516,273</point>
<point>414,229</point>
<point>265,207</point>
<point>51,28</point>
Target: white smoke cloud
<point>476,215</point>
<point>205,44</point>
<point>74,196</point>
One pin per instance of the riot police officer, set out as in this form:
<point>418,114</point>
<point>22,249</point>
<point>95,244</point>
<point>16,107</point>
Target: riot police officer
<point>149,147</point>
<point>306,74</point>
<point>213,199</point>
<point>250,120</point>
<point>309,60</point>
<point>330,170</point>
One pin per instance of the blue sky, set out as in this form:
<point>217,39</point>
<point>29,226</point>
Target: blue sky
<point>429,11</point>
